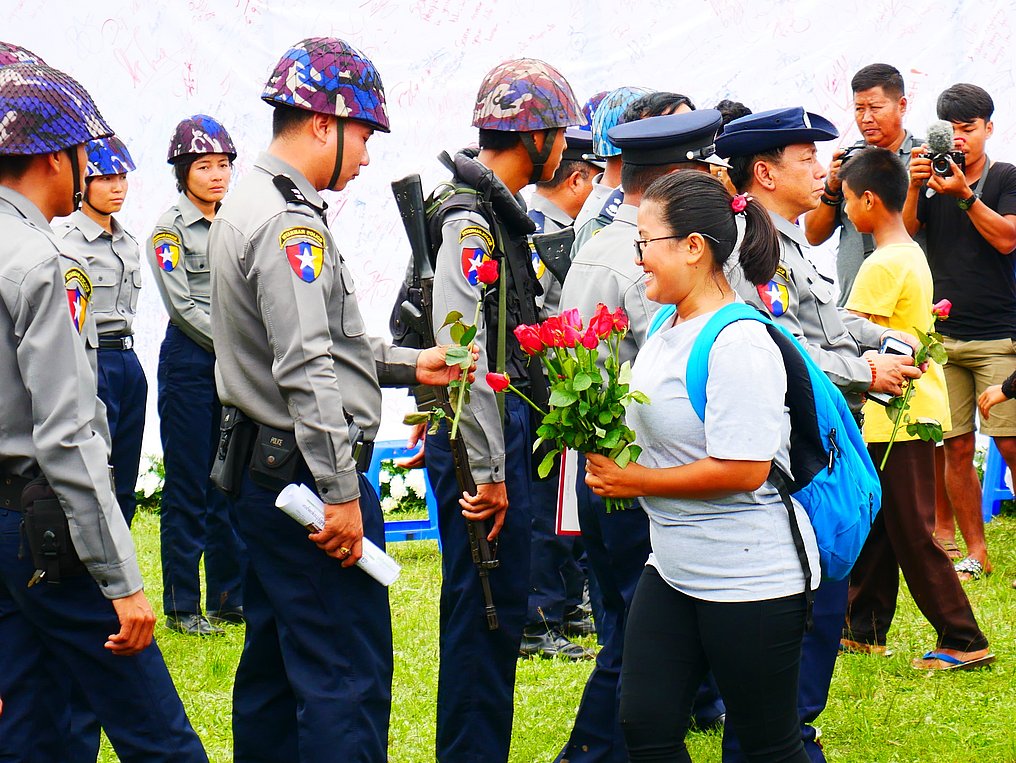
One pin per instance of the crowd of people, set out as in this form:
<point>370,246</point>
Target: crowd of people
<point>267,377</point>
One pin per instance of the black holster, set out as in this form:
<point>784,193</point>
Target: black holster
<point>276,458</point>
<point>47,532</point>
<point>236,437</point>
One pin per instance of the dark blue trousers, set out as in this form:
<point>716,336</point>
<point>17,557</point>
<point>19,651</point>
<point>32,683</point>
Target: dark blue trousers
<point>52,638</point>
<point>555,578</point>
<point>617,546</point>
<point>195,516</point>
<point>476,683</point>
<point>123,389</point>
<point>314,683</point>
<point>818,658</point>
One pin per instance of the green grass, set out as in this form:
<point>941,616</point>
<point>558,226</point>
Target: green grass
<point>879,709</point>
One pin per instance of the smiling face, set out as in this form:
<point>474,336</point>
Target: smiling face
<point>106,193</point>
<point>666,278</point>
<point>208,177</point>
<point>879,117</point>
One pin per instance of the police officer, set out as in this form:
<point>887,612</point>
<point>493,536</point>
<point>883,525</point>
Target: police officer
<point>521,111</point>
<point>618,545</point>
<point>314,680</point>
<point>773,158</point>
<point>114,265</point>
<point>55,428</point>
<point>195,516</point>
<point>556,578</point>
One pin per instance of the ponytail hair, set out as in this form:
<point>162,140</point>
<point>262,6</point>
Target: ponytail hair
<point>695,202</point>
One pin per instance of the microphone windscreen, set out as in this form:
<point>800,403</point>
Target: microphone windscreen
<point>940,137</point>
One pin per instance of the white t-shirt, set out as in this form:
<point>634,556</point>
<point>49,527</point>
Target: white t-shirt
<point>736,548</point>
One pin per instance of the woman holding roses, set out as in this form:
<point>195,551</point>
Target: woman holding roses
<point>723,588</point>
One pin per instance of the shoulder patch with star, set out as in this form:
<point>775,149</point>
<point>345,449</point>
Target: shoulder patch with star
<point>305,249</point>
<point>775,294</point>
<point>167,249</point>
<point>79,292</point>
<point>476,245</point>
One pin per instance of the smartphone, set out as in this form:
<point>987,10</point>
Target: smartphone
<point>890,346</point>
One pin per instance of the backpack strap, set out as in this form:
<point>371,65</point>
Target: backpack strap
<point>778,480</point>
<point>662,316</point>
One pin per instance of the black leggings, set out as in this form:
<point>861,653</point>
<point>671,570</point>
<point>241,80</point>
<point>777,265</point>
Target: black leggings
<point>753,649</point>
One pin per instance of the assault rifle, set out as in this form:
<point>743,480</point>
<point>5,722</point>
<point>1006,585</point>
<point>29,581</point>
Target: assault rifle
<point>416,314</point>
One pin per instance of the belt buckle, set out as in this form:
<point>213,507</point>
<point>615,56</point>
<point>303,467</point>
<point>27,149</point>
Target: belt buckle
<point>128,342</point>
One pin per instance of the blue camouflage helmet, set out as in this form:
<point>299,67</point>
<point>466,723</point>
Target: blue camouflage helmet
<point>199,134</point>
<point>108,156</point>
<point>608,114</point>
<point>525,95</point>
<point>43,110</point>
<point>326,75</point>
<point>15,54</point>
<point>589,108</point>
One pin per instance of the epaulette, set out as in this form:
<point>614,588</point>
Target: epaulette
<point>292,194</point>
<point>539,218</point>
<point>610,207</point>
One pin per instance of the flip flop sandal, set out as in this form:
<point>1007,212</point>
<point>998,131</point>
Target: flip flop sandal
<point>970,567</point>
<point>941,661</point>
<point>950,547</point>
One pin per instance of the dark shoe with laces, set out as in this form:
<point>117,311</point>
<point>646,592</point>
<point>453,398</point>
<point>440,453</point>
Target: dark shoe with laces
<point>578,622</point>
<point>191,624</point>
<point>550,643</point>
<point>229,616</point>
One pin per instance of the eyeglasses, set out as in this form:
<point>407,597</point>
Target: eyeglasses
<point>640,245</point>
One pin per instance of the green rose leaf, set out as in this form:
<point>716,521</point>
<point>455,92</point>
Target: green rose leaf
<point>457,355</point>
<point>938,353</point>
<point>623,458</point>
<point>451,318</point>
<point>582,381</point>
<point>468,337</point>
<point>412,419</point>
<point>546,464</point>
<point>562,397</point>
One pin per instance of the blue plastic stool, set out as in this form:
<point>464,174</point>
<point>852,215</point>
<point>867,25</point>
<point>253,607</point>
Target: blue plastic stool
<point>993,487</point>
<point>405,529</point>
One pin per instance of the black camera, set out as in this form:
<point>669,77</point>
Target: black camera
<point>940,162</point>
<point>849,151</point>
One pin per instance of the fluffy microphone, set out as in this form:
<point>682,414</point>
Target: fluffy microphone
<point>940,141</point>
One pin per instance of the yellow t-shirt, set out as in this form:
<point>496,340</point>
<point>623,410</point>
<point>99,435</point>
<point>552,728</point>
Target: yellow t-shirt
<point>894,286</point>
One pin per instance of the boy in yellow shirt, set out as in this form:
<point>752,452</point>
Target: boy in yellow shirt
<point>894,289</point>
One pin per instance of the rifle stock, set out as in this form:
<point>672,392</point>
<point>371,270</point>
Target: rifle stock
<point>417,314</point>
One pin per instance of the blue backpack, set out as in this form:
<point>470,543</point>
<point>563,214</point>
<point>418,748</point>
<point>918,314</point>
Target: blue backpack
<point>834,478</point>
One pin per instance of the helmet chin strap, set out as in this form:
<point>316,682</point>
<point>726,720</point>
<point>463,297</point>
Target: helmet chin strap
<point>338,154</point>
<point>72,154</point>
<point>539,158</point>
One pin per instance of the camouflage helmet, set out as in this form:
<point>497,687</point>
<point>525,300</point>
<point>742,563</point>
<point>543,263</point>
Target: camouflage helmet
<point>328,76</point>
<point>43,110</point>
<point>608,114</point>
<point>590,106</point>
<point>15,54</point>
<point>108,156</point>
<point>199,134</point>
<point>525,95</point>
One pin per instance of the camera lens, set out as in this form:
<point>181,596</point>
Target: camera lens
<point>940,166</point>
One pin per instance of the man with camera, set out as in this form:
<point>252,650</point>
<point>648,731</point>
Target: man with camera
<point>879,107</point>
<point>968,211</point>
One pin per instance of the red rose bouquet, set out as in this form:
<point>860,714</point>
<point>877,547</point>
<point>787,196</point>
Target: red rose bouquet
<point>586,410</point>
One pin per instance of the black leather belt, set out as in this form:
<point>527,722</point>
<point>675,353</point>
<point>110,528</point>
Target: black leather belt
<point>116,341</point>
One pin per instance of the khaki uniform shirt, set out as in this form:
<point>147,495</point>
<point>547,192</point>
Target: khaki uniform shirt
<point>291,349</point>
<point>114,265</point>
<point>51,419</point>
<point>178,255</point>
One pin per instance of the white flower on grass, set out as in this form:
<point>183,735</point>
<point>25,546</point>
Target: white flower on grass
<point>397,487</point>
<point>148,484</point>
<point>385,476</point>
<point>416,481</point>
<point>389,504</point>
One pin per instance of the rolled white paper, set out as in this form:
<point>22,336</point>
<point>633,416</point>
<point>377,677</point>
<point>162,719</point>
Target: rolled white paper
<point>300,502</point>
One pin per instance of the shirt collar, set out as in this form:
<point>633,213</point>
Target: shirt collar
<point>189,213</point>
<point>542,204</point>
<point>790,230</point>
<point>25,207</point>
<point>273,165</point>
<point>91,230</point>
<point>627,213</point>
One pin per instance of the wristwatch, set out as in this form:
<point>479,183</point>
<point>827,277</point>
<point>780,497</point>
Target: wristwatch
<point>967,203</point>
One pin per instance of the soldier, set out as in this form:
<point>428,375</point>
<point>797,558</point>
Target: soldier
<point>618,545</point>
<point>53,465</point>
<point>556,579</point>
<point>522,109</point>
<point>195,516</point>
<point>314,680</point>
<point>773,158</point>
<point>114,265</point>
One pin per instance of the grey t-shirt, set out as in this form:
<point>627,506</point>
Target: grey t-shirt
<point>739,547</point>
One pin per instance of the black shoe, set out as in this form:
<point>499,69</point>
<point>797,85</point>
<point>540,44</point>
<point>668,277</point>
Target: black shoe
<point>716,724</point>
<point>578,622</point>
<point>550,643</point>
<point>191,624</point>
<point>230,616</point>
